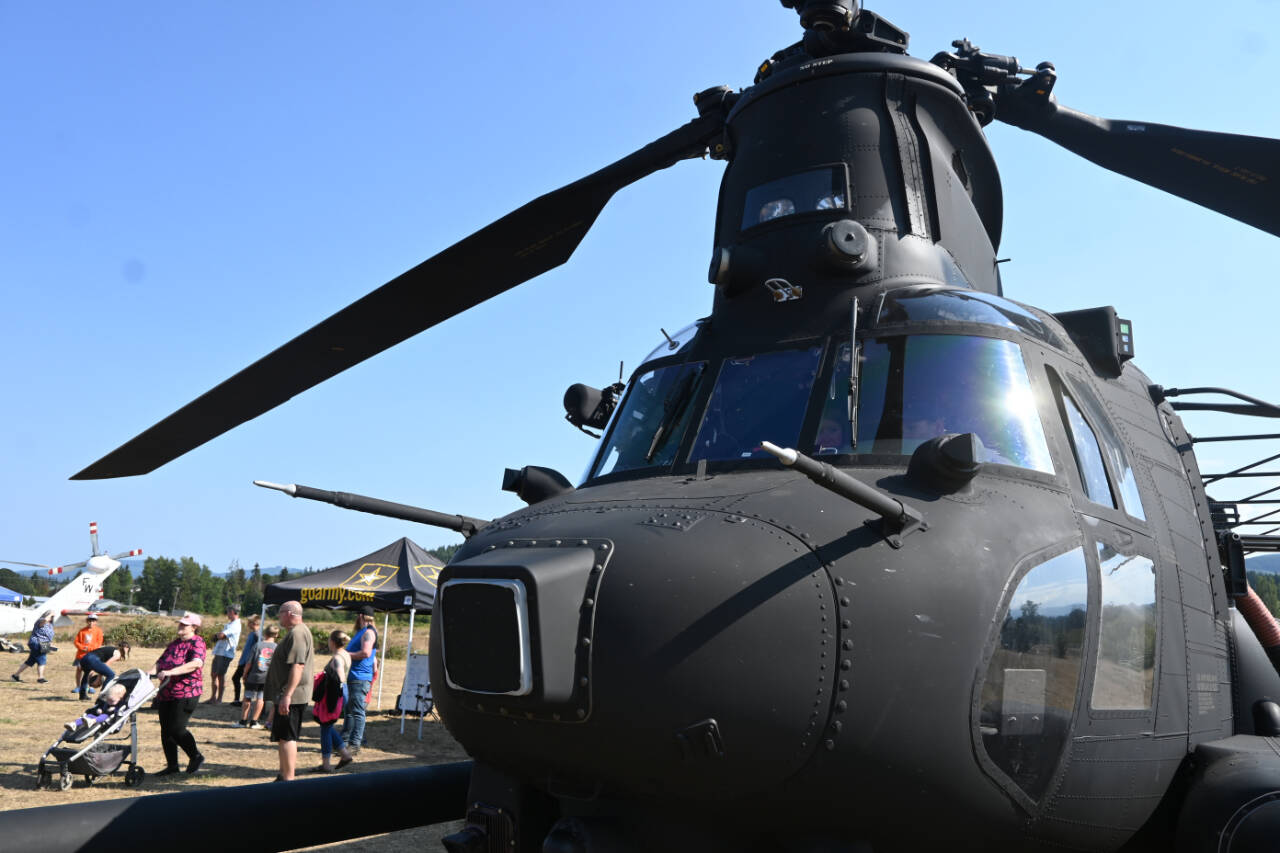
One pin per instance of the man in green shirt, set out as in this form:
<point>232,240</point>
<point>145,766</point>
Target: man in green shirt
<point>289,685</point>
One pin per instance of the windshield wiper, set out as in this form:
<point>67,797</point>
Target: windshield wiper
<point>672,409</point>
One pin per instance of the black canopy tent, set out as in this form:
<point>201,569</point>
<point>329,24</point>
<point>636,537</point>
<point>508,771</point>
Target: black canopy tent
<point>397,578</point>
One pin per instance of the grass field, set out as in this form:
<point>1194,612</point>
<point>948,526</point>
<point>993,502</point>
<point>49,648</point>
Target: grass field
<point>31,717</point>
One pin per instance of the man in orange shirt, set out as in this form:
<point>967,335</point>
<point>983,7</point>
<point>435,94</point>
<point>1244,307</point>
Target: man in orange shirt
<point>88,638</point>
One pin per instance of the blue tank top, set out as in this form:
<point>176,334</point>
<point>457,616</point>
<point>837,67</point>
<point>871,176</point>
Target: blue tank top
<point>362,670</point>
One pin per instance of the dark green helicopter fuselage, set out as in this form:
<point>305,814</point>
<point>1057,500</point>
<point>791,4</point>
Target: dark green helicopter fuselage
<point>713,644</point>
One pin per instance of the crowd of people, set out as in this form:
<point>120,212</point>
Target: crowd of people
<point>276,669</point>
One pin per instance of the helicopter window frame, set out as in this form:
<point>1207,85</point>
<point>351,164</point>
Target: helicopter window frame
<point>1084,676</point>
<point>840,177</point>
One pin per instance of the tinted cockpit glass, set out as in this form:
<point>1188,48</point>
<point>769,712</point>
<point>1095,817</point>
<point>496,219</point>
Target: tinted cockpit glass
<point>757,398</point>
<point>931,305</point>
<point>817,189</point>
<point>914,388</point>
<point>647,429</point>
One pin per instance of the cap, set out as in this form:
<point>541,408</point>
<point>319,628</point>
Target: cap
<point>190,618</point>
<point>91,616</point>
<point>367,610</point>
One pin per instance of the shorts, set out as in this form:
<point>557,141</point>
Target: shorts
<point>288,726</point>
<point>251,693</point>
<point>220,665</point>
<point>34,658</point>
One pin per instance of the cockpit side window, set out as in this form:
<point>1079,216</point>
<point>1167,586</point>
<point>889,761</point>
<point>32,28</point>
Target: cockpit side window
<point>1112,447</point>
<point>757,398</point>
<point>918,387</point>
<point>647,428</point>
<point>1088,453</point>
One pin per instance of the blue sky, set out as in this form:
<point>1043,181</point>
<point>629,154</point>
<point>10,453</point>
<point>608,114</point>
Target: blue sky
<point>189,185</point>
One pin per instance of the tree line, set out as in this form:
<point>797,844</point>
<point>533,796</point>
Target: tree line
<point>165,583</point>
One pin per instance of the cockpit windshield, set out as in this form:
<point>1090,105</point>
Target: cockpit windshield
<point>757,398</point>
<point>914,388</point>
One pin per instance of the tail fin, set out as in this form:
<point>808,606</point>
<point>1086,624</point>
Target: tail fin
<point>80,592</point>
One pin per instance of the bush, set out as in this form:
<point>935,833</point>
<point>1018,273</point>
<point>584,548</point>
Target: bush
<point>143,632</point>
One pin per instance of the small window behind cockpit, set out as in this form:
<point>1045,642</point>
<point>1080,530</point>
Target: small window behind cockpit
<point>817,189</point>
<point>914,388</point>
<point>757,398</point>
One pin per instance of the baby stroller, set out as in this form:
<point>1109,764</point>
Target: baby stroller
<point>87,753</point>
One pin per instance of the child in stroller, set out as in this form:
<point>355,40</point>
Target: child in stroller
<point>80,747</point>
<point>101,710</point>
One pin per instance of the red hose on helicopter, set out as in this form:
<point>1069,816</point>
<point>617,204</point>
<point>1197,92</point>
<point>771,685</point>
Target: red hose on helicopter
<point>1255,612</point>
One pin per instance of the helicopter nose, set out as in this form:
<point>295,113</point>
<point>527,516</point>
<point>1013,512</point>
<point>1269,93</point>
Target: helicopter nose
<point>691,653</point>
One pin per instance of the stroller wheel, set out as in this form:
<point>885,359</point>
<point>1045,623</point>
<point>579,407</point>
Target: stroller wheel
<point>134,776</point>
<point>64,782</point>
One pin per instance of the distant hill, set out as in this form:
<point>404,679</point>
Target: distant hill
<point>1269,563</point>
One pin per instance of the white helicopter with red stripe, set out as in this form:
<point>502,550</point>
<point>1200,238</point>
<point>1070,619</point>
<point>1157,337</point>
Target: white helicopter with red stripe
<point>82,591</point>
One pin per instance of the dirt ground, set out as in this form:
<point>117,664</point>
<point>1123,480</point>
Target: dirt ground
<point>31,717</point>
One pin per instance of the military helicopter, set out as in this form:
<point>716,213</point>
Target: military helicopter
<point>870,543</point>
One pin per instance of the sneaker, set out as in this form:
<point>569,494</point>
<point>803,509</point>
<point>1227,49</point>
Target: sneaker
<point>91,691</point>
<point>345,761</point>
<point>255,725</point>
<point>75,690</point>
<point>15,677</point>
<point>168,771</point>
<point>194,764</point>
<point>241,724</point>
<point>40,680</point>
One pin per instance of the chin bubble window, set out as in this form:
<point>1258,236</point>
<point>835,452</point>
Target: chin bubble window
<point>1030,689</point>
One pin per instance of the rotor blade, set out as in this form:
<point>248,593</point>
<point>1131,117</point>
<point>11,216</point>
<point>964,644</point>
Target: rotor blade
<point>134,553</point>
<point>525,243</point>
<point>20,563</point>
<point>1235,175</point>
<point>57,570</point>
